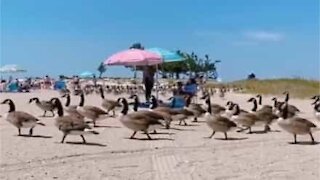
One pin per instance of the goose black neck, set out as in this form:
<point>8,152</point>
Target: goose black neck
<point>136,103</point>
<point>285,112</point>
<point>81,100</point>
<point>275,103</point>
<point>255,106</point>
<point>68,100</point>
<point>12,107</point>
<point>260,100</point>
<point>101,92</point>
<point>287,97</point>
<point>59,107</point>
<point>188,101</point>
<point>154,103</point>
<point>209,105</point>
<point>317,107</point>
<point>125,107</point>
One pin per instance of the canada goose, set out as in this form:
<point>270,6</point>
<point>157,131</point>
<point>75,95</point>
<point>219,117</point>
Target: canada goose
<point>292,110</point>
<point>91,112</point>
<point>316,108</point>
<point>20,119</point>
<point>215,108</point>
<point>109,105</point>
<point>196,109</point>
<point>295,125</point>
<point>217,122</point>
<point>137,121</point>
<point>70,124</point>
<point>72,110</point>
<point>176,114</point>
<point>154,114</point>
<point>44,105</point>
<point>265,115</point>
<point>243,119</point>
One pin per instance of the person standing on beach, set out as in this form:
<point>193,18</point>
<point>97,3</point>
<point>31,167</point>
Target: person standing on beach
<point>148,80</point>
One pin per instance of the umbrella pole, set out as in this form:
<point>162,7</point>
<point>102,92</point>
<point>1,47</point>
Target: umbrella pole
<point>157,82</point>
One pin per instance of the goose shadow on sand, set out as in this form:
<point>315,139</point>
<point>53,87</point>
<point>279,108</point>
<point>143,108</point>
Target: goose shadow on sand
<point>229,138</point>
<point>86,144</point>
<point>34,136</point>
<point>153,139</point>
<point>304,143</point>
<point>179,129</point>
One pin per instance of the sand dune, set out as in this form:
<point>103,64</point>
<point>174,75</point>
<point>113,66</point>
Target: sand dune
<point>183,152</point>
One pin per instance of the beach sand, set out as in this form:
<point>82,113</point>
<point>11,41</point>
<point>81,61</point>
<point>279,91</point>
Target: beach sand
<point>182,152</point>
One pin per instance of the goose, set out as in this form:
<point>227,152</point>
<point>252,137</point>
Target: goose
<point>316,108</point>
<point>292,110</point>
<point>72,110</point>
<point>196,109</point>
<point>217,122</point>
<point>70,124</point>
<point>176,114</point>
<point>243,119</point>
<point>108,104</point>
<point>166,117</point>
<point>44,105</point>
<point>91,112</point>
<point>137,121</point>
<point>20,119</point>
<point>265,115</point>
<point>295,125</point>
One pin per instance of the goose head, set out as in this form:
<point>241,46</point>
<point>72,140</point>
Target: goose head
<point>154,102</point>
<point>10,103</point>
<point>34,99</point>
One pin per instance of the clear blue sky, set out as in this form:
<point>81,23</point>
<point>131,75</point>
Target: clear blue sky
<point>273,38</point>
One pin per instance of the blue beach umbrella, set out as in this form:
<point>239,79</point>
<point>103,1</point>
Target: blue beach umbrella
<point>167,56</point>
<point>86,74</point>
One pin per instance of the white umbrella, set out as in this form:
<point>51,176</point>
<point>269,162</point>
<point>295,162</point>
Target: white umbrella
<point>11,68</point>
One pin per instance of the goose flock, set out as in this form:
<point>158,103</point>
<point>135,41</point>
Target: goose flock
<point>137,117</point>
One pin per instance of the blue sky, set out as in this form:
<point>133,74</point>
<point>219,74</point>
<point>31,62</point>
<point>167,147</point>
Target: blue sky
<point>272,38</point>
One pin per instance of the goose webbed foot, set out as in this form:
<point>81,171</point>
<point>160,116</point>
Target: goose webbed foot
<point>132,136</point>
<point>225,136</point>
<point>295,139</point>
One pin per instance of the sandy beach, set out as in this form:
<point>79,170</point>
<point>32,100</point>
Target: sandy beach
<point>182,152</point>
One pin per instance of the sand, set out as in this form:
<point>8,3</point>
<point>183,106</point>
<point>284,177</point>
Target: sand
<point>182,152</point>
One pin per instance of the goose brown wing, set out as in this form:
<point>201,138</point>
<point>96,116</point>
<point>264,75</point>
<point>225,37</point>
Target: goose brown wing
<point>302,122</point>
<point>95,109</point>
<point>225,121</point>
<point>142,119</point>
<point>68,123</point>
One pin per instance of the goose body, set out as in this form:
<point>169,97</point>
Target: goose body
<point>137,121</point>
<point>295,125</point>
<point>71,124</point>
<point>219,124</point>
<point>44,105</point>
<point>20,119</point>
<point>91,112</point>
<point>109,105</point>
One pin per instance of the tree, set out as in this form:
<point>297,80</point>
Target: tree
<point>102,69</point>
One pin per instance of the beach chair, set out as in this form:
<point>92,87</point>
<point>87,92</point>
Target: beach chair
<point>59,85</point>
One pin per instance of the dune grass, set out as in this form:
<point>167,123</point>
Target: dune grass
<point>299,88</point>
